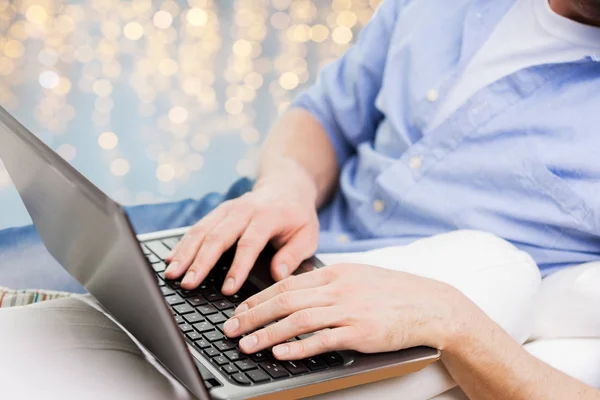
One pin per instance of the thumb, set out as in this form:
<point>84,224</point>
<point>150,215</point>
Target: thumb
<point>288,258</point>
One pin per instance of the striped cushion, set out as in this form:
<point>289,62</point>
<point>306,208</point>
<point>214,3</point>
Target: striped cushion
<point>22,297</point>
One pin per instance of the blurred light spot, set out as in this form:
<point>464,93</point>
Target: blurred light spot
<point>48,57</point>
<point>36,14</point>
<point>133,31</point>
<point>341,35</point>
<point>6,66</point>
<point>178,115</point>
<point>197,17</point>
<point>168,67</point>
<point>281,4</point>
<point>67,151</point>
<point>194,162</point>
<point>63,87</point>
<point>200,142</point>
<point>234,106</point>
<point>13,49</point>
<point>84,54</point>
<point>280,20</point>
<point>289,81</point>
<point>108,140</point>
<point>49,79</point>
<point>165,173</point>
<point>347,19</point>
<point>111,30</point>
<point>319,33</point>
<point>254,80</point>
<point>102,87</point>
<point>299,33</point>
<point>242,48</point>
<point>119,167</point>
<point>162,19</point>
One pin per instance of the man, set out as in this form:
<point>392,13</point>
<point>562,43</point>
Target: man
<point>472,114</point>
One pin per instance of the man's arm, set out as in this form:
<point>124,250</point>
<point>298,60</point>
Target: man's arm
<point>488,364</point>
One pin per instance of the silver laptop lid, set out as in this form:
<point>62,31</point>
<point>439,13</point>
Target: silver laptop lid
<point>91,237</point>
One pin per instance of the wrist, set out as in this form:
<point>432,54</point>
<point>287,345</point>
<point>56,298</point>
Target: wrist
<point>287,173</point>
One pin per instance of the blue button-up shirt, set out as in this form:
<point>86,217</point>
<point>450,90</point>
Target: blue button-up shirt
<point>521,159</point>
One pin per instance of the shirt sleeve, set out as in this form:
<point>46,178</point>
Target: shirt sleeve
<point>343,99</point>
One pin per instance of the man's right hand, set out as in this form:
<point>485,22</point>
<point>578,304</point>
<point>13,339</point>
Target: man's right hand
<point>281,209</point>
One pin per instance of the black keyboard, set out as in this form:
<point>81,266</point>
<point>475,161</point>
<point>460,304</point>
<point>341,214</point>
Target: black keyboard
<point>201,313</point>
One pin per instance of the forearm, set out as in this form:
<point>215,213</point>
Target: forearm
<point>298,149</point>
<point>488,364</point>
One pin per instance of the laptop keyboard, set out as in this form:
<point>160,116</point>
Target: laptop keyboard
<point>201,313</point>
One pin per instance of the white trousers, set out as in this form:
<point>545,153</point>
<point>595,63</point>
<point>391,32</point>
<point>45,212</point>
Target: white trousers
<point>69,350</point>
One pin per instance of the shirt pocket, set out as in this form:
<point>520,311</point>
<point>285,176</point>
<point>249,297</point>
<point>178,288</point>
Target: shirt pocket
<point>540,178</point>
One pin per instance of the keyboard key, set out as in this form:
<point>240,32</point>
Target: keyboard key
<point>176,284</point>
<point>183,309</point>
<point>185,328</point>
<point>211,352</point>
<point>197,300</point>
<point>217,318</point>
<point>220,327</point>
<point>241,378</point>
<point>229,369</point>
<point>260,356</point>
<point>174,300</point>
<point>315,363</point>
<point>295,367</point>
<point>220,360</point>
<point>235,355</point>
<point>207,309</point>
<point>214,336</point>
<point>145,250</point>
<point>152,259</point>
<point>194,317</point>
<point>274,369</point>
<point>179,319</point>
<point>203,327</point>
<point>257,376</point>
<point>159,266</point>
<point>224,345</point>
<point>212,295</point>
<point>171,242</point>
<point>223,304</point>
<point>332,359</point>
<point>193,335</point>
<point>167,291</point>
<point>245,365</point>
<point>202,343</point>
<point>229,313</point>
<point>158,248</point>
<point>188,293</point>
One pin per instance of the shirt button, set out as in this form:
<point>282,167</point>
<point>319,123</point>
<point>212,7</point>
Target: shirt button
<point>432,95</point>
<point>342,239</point>
<point>378,206</point>
<point>415,162</point>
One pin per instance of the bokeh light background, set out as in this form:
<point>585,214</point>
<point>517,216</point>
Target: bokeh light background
<point>161,100</point>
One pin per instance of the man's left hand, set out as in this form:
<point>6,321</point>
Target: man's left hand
<point>367,309</point>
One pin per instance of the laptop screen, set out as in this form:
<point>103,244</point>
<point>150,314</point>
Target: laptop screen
<point>90,236</point>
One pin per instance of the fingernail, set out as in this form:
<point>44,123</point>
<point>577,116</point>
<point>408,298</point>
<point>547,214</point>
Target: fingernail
<point>189,278</point>
<point>282,269</point>
<point>248,342</point>
<point>231,325</point>
<point>172,267</point>
<point>241,308</point>
<point>281,350</point>
<point>229,285</point>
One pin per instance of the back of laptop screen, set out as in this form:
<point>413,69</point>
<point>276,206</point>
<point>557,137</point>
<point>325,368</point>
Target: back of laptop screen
<point>89,235</point>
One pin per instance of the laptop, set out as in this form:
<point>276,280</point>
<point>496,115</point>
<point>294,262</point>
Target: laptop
<point>91,237</point>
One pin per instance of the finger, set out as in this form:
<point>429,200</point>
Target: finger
<point>300,322</point>
<point>276,308</point>
<point>251,243</point>
<point>185,252</point>
<point>309,280</point>
<point>321,342</point>
<point>288,258</point>
<point>216,242</point>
